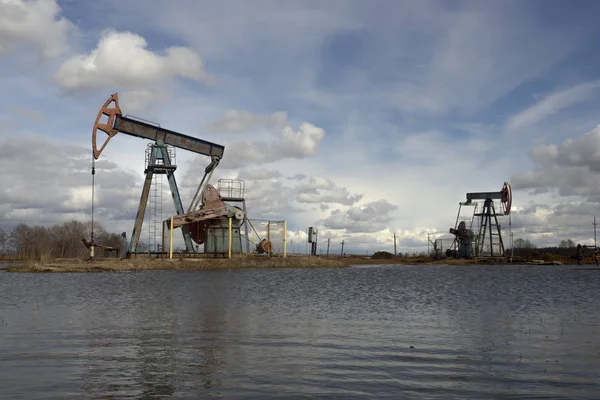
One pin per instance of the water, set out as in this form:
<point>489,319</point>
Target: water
<point>438,332</point>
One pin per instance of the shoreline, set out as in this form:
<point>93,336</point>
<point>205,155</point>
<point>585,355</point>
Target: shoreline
<point>149,264</point>
<point>249,262</point>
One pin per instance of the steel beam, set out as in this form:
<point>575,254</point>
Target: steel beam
<point>139,218</point>
<point>187,237</point>
<point>148,131</point>
<point>484,195</point>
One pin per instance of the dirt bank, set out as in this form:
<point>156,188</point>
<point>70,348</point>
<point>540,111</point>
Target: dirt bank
<point>237,262</point>
<point>240,262</point>
<point>141,264</point>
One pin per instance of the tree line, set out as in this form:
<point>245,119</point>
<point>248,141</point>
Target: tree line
<point>58,241</point>
<point>523,247</point>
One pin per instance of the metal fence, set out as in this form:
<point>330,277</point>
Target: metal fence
<point>440,246</point>
<point>261,231</point>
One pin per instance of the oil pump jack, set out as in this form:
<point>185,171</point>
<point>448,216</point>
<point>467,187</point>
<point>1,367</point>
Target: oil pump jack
<point>469,244</point>
<point>206,209</point>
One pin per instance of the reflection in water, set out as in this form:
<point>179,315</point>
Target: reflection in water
<point>152,348</point>
<point>377,332</point>
<point>208,325</point>
<point>208,351</point>
<point>156,351</point>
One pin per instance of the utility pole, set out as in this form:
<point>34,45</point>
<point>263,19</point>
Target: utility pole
<point>328,240</point>
<point>594,232</point>
<point>428,244</point>
<point>595,245</point>
<point>512,247</point>
<point>342,253</point>
<point>395,250</point>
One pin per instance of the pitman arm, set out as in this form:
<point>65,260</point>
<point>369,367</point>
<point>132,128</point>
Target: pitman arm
<point>212,207</point>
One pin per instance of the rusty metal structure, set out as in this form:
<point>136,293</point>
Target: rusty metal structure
<point>206,219</point>
<point>232,191</point>
<point>206,224</point>
<point>486,239</point>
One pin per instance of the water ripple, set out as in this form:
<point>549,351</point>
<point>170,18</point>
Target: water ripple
<point>446,332</point>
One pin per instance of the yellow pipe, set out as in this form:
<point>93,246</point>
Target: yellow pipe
<point>171,240</point>
<point>230,238</point>
<point>284,241</point>
<point>162,239</point>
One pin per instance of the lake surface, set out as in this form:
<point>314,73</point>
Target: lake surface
<point>436,332</point>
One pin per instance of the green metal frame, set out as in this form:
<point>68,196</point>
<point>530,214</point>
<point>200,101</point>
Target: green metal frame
<point>159,152</point>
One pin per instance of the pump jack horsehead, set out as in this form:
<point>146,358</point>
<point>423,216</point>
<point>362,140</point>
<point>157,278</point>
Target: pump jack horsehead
<point>199,216</point>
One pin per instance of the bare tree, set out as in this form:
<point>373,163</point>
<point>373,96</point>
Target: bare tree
<point>566,244</point>
<point>59,241</point>
<point>521,243</point>
<point>3,240</point>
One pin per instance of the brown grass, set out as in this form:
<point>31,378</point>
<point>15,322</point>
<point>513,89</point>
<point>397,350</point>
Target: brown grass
<point>141,264</point>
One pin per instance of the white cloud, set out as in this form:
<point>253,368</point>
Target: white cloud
<point>136,100</point>
<point>301,143</point>
<point>368,218</point>
<point>33,23</point>
<point>578,152</point>
<point>270,193</point>
<point>287,143</point>
<point>553,103</point>
<point>544,154</point>
<point>259,174</point>
<point>243,121</point>
<point>57,186</point>
<point>567,179</point>
<point>323,190</point>
<point>122,59</point>
<point>548,224</point>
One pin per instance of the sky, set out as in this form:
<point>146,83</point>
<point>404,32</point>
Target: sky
<point>364,119</point>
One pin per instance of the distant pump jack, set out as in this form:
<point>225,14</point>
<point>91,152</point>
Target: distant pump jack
<point>487,242</point>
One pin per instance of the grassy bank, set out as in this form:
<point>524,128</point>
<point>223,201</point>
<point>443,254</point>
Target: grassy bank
<point>141,264</point>
<point>237,262</point>
<point>247,261</point>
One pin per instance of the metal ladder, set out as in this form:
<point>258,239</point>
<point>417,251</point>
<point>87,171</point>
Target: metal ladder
<point>489,226</point>
<point>155,210</point>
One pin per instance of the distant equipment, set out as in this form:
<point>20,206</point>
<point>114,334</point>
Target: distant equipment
<point>487,242</point>
<point>465,238</point>
<point>312,239</point>
<point>263,247</point>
